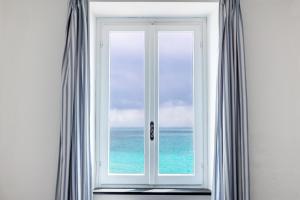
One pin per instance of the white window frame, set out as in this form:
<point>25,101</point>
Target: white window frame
<point>151,178</point>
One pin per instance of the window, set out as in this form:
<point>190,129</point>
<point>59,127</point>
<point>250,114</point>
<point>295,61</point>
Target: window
<point>151,101</point>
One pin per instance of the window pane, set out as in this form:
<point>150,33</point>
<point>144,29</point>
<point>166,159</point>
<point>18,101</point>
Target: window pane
<point>176,154</point>
<point>126,150</point>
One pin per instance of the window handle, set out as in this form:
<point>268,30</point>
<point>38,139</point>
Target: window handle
<point>151,130</point>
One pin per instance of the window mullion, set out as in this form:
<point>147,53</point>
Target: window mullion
<point>152,99</point>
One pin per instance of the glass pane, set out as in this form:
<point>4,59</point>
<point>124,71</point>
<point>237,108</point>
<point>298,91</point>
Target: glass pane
<point>126,147</point>
<point>176,154</point>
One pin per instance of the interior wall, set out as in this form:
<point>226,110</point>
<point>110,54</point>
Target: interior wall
<point>32,45</point>
<point>272,30</point>
<point>1,21</point>
<point>32,39</point>
<point>1,52</point>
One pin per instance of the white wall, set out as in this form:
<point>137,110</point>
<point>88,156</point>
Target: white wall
<point>33,37</point>
<point>1,44</point>
<point>272,33</point>
<point>33,40</point>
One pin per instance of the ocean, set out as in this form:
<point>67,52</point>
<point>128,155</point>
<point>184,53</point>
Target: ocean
<point>126,153</point>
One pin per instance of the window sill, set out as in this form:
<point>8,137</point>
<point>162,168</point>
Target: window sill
<point>152,191</point>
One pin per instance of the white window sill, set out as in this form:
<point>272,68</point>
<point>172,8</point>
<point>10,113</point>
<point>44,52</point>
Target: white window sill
<point>152,191</point>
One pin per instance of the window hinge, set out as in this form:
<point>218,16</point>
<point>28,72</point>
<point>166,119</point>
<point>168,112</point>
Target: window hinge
<point>101,44</point>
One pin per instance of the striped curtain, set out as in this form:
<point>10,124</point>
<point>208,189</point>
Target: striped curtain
<point>74,165</point>
<point>231,174</point>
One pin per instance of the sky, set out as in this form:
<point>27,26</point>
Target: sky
<point>127,79</point>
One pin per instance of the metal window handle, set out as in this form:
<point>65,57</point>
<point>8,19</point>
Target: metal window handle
<point>151,131</point>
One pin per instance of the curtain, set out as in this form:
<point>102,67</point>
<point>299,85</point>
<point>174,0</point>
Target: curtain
<point>231,173</point>
<point>74,165</point>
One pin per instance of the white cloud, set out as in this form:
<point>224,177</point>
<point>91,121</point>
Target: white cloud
<point>176,116</point>
<point>127,117</point>
<point>170,116</point>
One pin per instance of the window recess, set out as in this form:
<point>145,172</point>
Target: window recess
<point>151,102</point>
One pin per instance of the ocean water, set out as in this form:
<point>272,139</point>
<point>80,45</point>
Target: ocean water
<point>175,151</point>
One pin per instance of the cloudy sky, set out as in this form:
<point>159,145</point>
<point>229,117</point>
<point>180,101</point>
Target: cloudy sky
<point>127,78</point>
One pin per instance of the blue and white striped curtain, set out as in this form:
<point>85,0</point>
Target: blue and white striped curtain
<point>74,167</point>
<point>231,174</point>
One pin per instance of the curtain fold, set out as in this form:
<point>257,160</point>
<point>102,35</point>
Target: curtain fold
<point>231,173</point>
<point>74,165</point>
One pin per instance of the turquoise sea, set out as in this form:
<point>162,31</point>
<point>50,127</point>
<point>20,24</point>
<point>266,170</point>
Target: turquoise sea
<point>175,150</point>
